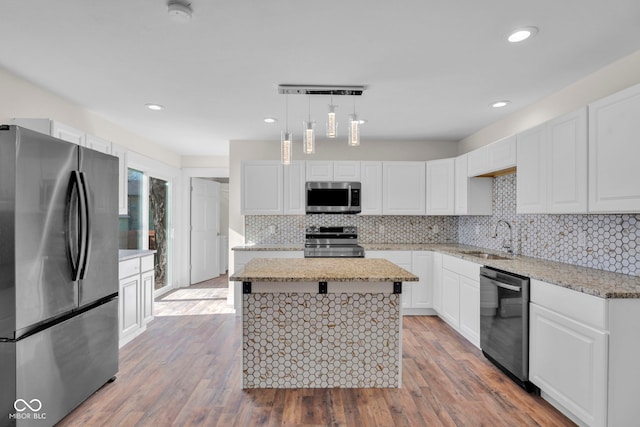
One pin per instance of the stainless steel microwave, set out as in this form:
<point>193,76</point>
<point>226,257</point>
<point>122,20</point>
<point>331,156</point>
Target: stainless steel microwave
<point>333,197</point>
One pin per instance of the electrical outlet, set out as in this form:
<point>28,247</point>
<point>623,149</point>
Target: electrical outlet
<point>381,229</point>
<point>436,229</point>
<point>582,239</point>
<point>477,230</point>
<point>272,229</point>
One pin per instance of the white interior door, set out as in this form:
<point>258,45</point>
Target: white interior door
<point>205,228</point>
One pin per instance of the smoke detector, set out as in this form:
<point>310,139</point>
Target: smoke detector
<point>179,10</point>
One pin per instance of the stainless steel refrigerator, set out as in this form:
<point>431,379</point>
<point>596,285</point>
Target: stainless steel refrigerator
<point>58,275</point>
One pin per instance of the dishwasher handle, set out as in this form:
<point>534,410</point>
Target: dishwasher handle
<point>502,285</point>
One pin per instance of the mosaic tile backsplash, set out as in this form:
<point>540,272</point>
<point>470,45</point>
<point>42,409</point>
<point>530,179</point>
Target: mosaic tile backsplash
<point>606,242</point>
<point>289,229</point>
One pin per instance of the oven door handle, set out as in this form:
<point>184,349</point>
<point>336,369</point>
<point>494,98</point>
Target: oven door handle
<point>503,285</point>
<point>349,196</point>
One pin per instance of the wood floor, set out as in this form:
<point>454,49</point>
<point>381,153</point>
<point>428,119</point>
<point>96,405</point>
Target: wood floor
<point>185,371</point>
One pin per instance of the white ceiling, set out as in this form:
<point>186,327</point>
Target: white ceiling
<point>432,67</point>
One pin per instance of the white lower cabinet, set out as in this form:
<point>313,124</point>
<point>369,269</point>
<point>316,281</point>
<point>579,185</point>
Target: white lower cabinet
<point>437,282</point>
<point>403,260</point>
<point>135,297</point>
<point>417,297</point>
<point>459,292</point>
<point>569,363</point>
<point>130,315</point>
<point>583,354</point>
<point>451,298</point>
<point>470,309</point>
<point>147,282</point>
<point>422,290</point>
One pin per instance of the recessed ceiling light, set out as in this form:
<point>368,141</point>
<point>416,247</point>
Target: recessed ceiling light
<point>270,120</point>
<point>154,107</point>
<point>522,34</point>
<point>500,104</point>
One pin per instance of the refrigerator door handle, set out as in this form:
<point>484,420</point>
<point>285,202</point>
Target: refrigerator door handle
<point>86,237</point>
<point>71,235</point>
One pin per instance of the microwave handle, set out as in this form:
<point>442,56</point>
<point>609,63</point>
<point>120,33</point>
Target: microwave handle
<point>349,195</point>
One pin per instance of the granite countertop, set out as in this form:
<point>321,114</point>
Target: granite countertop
<point>322,270</point>
<point>600,283</point>
<point>125,254</point>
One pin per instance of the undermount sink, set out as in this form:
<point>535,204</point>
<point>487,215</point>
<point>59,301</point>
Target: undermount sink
<point>485,255</point>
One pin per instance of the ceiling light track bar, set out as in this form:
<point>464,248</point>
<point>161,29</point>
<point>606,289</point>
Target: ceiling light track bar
<point>320,90</point>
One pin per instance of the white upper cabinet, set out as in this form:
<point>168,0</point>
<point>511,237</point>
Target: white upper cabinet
<point>473,196</point>
<point>440,186</point>
<point>403,188</point>
<point>371,192</point>
<point>492,158</point>
<point>502,154</point>
<point>614,152</point>
<point>261,188</point>
<point>567,163</point>
<point>98,144</point>
<point>346,170</point>
<point>123,179</point>
<point>294,193</point>
<point>68,133</point>
<point>319,170</point>
<point>53,128</point>
<point>531,195</point>
<point>552,166</point>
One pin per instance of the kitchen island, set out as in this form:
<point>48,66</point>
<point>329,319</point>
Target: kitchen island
<point>322,323</point>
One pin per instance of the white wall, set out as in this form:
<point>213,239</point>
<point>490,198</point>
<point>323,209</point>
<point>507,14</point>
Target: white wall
<point>204,161</point>
<point>610,79</point>
<point>23,99</point>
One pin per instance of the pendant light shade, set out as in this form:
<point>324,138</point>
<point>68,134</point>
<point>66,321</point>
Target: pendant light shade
<point>309,137</point>
<point>285,141</point>
<point>286,137</point>
<point>309,134</point>
<point>332,124</point>
<point>354,130</point>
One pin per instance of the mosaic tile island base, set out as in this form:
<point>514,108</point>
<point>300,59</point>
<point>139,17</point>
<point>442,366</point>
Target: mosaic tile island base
<point>296,337</point>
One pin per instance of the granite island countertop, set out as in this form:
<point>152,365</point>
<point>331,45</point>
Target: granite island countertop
<point>322,270</point>
<point>600,283</point>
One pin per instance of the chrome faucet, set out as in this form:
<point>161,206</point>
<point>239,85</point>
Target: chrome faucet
<point>505,245</point>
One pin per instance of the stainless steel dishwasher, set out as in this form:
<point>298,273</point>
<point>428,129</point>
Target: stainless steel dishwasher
<point>504,323</point>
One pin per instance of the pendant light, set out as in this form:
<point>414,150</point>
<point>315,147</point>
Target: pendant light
<point>354,127</point>
<point>286,137</point>
<point>332,124</point>
<point>308,136</point>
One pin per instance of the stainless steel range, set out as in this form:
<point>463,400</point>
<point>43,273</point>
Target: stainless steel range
<point>332,242</point>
